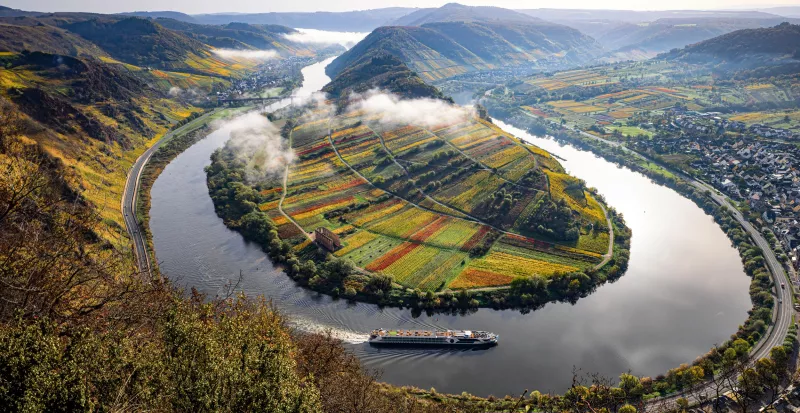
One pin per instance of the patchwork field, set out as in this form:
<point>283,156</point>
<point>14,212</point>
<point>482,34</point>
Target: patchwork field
<point>449,206</point>
<point>611,98</point>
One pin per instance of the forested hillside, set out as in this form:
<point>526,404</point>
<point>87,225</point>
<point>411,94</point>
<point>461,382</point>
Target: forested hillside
<point>469,41</point>
<point>744,45</point>
<point>87,86</point>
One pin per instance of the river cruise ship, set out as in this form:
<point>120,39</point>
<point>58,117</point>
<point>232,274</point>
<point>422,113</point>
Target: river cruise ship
<point>423,338</point>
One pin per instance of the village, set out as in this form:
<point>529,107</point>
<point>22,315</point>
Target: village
<point>272,79</point>
<point>754,165</point>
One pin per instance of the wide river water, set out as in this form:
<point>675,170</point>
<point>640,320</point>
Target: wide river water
<point>685,289</point>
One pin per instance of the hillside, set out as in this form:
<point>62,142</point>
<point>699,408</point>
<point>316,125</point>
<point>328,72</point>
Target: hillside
<point>92,116</point>
<point>240,36</point>
<point>141,42</point>
<point>99,88</point>
<point>441,50</point>
<point>744,49</point>
<point>386,73</point>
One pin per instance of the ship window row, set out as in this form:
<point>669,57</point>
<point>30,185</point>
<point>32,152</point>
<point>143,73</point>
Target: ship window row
<point>412,340</point>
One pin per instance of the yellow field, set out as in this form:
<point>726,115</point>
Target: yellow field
<point>355,241</point>
<point>516,266</point>
<point>759,86</point>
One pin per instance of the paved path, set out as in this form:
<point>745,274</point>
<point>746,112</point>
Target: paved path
<point>283,196</point>
<point>130,197</point>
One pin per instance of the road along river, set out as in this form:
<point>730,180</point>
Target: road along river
<point>685,289</point>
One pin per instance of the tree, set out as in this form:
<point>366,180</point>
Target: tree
<point>768,376</point>
<point>631,386</point>
<point>627,409</point>
<point>380,283</point>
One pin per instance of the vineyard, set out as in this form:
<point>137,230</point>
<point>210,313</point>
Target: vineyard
<point>448,206</point>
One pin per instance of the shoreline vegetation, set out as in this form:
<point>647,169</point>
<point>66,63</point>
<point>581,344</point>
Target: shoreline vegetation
<point>313,267</point>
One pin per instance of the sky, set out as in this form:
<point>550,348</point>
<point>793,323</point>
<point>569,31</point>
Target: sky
<point>260,6</point>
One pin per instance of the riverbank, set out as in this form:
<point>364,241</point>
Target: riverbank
<point>196,129</point>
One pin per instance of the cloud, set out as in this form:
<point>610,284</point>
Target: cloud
<point>323,37</point>
<point>246,54</point>
<point>420,112</point>
<point>176,92</point>
<point>257,143</point>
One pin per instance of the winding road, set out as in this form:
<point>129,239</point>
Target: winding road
<point>131,191</point>
<point>783,311</point>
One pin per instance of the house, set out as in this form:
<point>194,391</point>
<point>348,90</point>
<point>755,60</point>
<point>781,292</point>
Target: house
<point>327,238</point>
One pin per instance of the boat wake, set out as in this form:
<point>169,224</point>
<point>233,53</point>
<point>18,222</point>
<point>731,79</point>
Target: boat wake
<point>346,335</point>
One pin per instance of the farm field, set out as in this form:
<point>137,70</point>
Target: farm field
<point>445,206</point>
<point>606,98</point>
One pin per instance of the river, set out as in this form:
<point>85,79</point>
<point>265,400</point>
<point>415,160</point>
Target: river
<point>685,289</point>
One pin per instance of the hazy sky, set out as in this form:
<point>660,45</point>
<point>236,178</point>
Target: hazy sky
<point>249,6</point>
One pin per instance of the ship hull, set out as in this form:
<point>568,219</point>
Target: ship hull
<point>381,343</point>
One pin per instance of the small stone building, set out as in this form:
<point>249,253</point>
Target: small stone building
<point>327,238</point>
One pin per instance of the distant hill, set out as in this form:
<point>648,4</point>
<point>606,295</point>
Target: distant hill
<point>142,42</point>
<point>240,36</point>
<point>624,40</point>
<point>9,12</point>
<point>48,39</point>
<point>746,49</point>
<point>351,21</point>
<point>385,72</point>
<point>454,12</point>
<point>439,50</point>
<point>631,16</point>
<point>163,15</point>
<point>788,11</point>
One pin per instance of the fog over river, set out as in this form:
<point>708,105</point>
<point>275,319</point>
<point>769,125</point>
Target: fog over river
<point>685,289</point>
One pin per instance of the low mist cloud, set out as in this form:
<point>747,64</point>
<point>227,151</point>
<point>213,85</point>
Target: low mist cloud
<point>323,37</point>
<point>257,143</point>
<point>420,112</point>
<point>246,54</point>
<point>176,92</point>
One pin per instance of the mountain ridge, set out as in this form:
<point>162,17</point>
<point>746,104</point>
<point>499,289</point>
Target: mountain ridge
<point>473,42</point>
